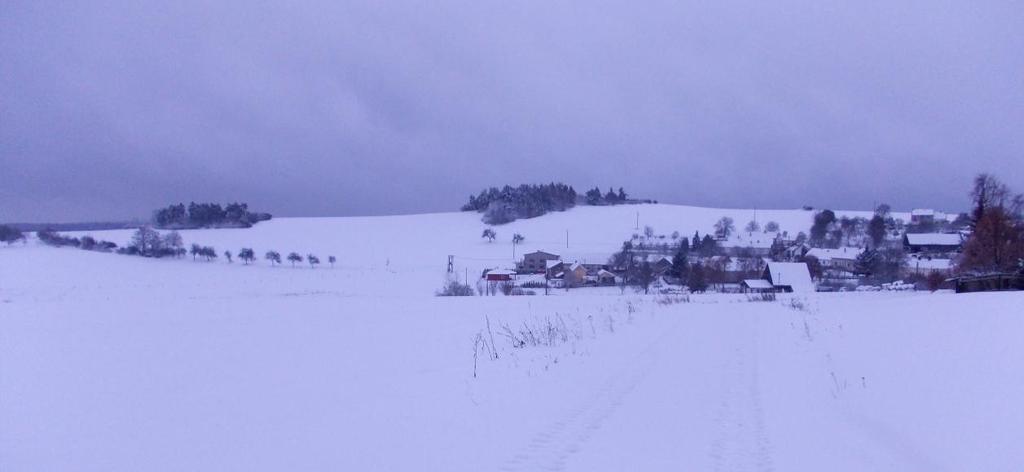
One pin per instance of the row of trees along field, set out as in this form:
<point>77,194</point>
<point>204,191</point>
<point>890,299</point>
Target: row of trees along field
<point>148,242</point>
<point>207,215</point>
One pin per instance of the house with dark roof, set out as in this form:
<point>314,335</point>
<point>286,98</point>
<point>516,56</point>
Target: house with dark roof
<point>932,243</point>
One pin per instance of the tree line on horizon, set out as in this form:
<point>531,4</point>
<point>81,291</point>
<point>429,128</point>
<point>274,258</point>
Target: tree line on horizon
<point>507,204</point>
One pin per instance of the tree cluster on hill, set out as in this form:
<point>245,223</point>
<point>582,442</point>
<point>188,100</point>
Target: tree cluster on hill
<point>595,197</point>
<point>148,242</point>
<point>10,234</point>
<point>996,243</point>
<point>509,203</point>
<point>207,215</point>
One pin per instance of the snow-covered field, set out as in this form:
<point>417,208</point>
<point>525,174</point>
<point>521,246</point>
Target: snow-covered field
<point>117,363</point>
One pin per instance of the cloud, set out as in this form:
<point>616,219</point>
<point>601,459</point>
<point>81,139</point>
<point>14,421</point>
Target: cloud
<point>114,108</point>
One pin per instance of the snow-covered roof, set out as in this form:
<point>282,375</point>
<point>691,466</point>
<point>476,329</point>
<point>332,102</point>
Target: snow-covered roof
<point>824,254</point>
<point>757,283</point>
<point>933,264</point>
<point>541,253</point>
<point>933,239</point>
<point>793,274</point>
<point>923,212</point>
<point>752,240</point>
<point>575,266</point>
<point>501,272</point>
<point>551,263</point>
<point>605,273</point>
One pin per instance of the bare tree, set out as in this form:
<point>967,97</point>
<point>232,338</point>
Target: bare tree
<point>331,260</point>
<point>147,241</point>
<point>294,257</point>
<point>489,234</point>
<point>247,255</point>
<point>273,256</point>
<point>313,260</point>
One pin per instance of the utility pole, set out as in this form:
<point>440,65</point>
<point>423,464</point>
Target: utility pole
<point>637,225</point>
<point>451,264</point>
<point>567,239</point>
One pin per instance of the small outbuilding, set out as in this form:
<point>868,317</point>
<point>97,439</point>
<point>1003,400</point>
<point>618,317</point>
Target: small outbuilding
<point>756,286</point>
<point>499,275</point>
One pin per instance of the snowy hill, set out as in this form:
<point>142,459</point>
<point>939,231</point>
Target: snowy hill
<point>409,254</point>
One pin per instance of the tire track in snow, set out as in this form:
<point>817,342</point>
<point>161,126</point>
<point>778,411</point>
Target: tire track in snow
<point>550,449</point>
<point>742,443</point>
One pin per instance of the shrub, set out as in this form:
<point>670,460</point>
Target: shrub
<point>453,288</point>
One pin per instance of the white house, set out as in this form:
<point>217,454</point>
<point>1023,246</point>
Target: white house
<point>844,258</point>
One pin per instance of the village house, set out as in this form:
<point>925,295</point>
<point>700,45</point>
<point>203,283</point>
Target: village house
<point>922,216</point>
<point>932,243</point>
<point>661,266</point>
<point>749,244</point>
<point>536,262</point>
<point>789,277</point>
<point>605,277</point>
<point>553,268</point>
<point>575,275</point>
<point>841,259</point>
<point>925,264</point>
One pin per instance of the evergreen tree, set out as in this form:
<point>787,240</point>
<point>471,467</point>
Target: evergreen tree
<point>697,281</point>
<point>680,262</point>
<point>708,246</point>
<point>876,230</point>
<point>644,276</point>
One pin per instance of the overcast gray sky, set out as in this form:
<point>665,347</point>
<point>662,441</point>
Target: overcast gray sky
<point>109,109</point>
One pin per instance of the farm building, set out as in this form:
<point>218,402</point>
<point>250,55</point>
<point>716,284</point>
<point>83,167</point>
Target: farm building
<point>932,243</point>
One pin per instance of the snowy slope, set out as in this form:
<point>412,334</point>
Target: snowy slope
<point>115,363</point>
